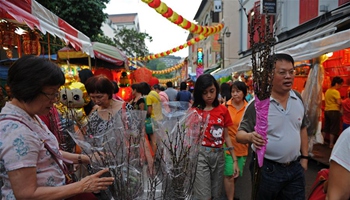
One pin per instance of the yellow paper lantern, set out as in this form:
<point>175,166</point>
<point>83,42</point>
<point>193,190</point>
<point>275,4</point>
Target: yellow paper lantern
<point>163,8</point>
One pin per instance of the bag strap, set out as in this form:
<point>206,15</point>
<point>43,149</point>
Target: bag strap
<point>155,96</point>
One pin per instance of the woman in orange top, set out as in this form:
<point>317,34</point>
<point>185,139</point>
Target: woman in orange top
<point>236,107</point>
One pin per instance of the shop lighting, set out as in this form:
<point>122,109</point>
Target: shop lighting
<point>20,31</point>
<point>5,48</point>
<point>329,54</point>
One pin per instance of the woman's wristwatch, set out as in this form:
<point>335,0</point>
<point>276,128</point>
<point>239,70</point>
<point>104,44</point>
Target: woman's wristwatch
<point>304,157</point>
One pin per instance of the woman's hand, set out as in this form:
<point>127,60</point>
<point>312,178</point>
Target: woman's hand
<point>96,183</point>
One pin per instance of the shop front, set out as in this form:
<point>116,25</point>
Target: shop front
<point>320,54</point>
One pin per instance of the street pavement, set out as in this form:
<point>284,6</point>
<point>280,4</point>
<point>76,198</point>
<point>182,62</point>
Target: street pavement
<point>243,184</point>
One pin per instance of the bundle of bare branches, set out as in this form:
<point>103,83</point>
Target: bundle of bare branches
<point>262,41</point>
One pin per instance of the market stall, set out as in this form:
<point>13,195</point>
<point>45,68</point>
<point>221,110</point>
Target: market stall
<point>19,15</point>
<point>106,56</point>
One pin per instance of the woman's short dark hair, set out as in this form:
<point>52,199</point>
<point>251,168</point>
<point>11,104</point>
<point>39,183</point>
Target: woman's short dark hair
<point>100,84</point>
<point>84,75</point>
<point>29,74</point>
<point>240,86</point>
<point>203,82</point>
<point>145,88</point>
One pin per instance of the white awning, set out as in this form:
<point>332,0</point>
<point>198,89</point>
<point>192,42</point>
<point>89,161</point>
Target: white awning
<point>303,47</point>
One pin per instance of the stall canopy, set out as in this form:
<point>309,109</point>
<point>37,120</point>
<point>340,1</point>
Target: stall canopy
<point>35,15</point>
<point>104,52</point>
<point>303,47</point>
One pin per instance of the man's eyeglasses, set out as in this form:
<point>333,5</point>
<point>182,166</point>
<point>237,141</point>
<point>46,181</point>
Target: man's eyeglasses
<point>51,96</point>
<point>284,73</point>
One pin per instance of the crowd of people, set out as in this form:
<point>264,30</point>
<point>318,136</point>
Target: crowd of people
<point>30,171</point>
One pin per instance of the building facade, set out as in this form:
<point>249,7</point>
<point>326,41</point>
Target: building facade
<point>295,22</point>
<point>220,49</point>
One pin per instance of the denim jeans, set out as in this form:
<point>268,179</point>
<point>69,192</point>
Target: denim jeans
<point>278,182</point>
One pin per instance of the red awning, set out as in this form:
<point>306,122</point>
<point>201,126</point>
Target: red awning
<point>35,15</point>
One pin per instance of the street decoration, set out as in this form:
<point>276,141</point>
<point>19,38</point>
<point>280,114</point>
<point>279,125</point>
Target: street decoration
<point>177,19</point>
<point>168,13</point>
<point>169,70</point>
<point>31,43</point>
<point>34,15</point>
<point>170,51</point>
<point>164,81</point>
<point>142,74</point>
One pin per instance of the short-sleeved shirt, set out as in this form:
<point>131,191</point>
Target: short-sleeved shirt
<point>183,95</point>
<point>330,98</point>
<point>171,92</point>
<point>153,99</point>
<point>341,150</point>
<point>163,97</point>
<point>21,147</point>
<point>236,116</point>
<point>135,105</point>
<point>284,125</point>
<point>219,118</point>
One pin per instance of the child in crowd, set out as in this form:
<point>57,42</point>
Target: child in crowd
<point>210,169</point>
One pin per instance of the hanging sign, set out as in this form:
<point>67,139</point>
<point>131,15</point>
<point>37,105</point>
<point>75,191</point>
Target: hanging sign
<point>200,57</point>
<point>217,6</point>
<point>268,7</point>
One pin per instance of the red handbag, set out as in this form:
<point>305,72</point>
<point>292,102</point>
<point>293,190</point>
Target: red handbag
<point>319,187</point>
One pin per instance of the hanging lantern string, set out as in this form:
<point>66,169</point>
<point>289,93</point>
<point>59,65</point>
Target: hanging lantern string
<point>168,13</point>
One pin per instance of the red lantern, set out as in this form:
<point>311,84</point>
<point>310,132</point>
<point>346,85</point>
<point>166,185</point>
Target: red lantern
<point>179,20</point>
<point>142,74</point>
<point>153,81</point>
<point>105,72</point>
<point>168,13</point>
<point>154,4</point>
<point>125,93</point>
